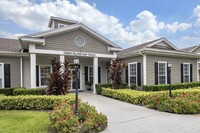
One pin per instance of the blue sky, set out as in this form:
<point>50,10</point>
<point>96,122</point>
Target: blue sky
<point>125,22</point>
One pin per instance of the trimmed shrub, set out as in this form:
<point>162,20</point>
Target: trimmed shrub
<point>133,86</point>
<point>9,91</point>
<point>2,95</point>
<point>100,86</point>
<point>63,119</point>
<point>37,91</point>
<point>174,86</point>
<point>33,102</point>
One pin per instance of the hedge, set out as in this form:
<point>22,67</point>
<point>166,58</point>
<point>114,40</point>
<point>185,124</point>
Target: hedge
<point>37,91</point>
<point>183,101</point>
<point>32,102</point>
<point>9,91</point>
<point>174,86</point>
<point>100,86</point>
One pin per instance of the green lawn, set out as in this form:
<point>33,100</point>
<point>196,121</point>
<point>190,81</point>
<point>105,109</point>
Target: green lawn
<point>17,121</point>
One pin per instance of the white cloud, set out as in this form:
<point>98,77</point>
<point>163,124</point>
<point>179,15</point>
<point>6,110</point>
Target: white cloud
<point>196,14</point>
<point>10,35</point>
<point>190,38</point>
<point>174,27</point>
<point>146,21</point>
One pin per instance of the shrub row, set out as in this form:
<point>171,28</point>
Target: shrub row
<point>100,86</point>
<point>32,102</point>
<point>63,119</point>
<point>37,91</point>
<point>183,101</point>
<point>9,91</point>
<point>174,86</point>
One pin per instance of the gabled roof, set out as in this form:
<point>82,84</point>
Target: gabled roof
<point>148,45</point>
<point>60,19</point>
<point>72,28</point>
<point>10,45</point>
<point>190,49</point>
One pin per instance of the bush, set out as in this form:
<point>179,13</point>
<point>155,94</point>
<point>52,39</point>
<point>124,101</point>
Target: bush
<point>9,91</point>
<point>2,95</point>
<point>133,86</point>
<point>62,119</point>
<point>183,101</point>
<point>38,91</point>
<point>174,86</point>
<point>32,102</point>
<point>100,86</point>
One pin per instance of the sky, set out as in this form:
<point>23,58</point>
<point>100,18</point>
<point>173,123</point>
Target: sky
<point>125,22</point>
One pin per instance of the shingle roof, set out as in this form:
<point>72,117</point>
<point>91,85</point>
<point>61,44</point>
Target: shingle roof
<point>137,47</point>
<point>189,49</point>
<point>11,45</point>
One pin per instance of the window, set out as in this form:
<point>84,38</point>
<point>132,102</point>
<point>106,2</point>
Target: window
<point>61,25</point>
<point>1,75</point>
<point>44,74</point>
<point>186,72</point>
<point>132,69</point>
<point>90,73</point>
<point>162,72</point>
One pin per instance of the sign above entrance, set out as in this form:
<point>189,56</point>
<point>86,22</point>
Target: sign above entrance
<point>79,54</point>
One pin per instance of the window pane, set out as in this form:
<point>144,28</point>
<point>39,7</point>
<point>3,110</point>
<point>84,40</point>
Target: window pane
<point>186,68</point>
<point>186,78</point>
<point>162,68</point>
<point>1,83</point>
<point>1,67</point>
<point>45,71</point>
<point>133,79</point>
<point>132,70</point>
<point>91,74</point>
<point>162,79</point>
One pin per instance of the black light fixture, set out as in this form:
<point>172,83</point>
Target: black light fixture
<point>169,78</point>
<point>76,63</point>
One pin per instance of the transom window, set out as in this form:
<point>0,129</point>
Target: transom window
<point>162,72</point>
<point>132,69</point>
<point>186,72</point>
<point>44,74</point>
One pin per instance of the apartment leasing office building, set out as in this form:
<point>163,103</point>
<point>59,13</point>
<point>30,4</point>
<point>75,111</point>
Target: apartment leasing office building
<point>25,62</point>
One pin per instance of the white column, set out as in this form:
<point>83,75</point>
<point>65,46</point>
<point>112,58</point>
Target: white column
<point>33,70</point>
<point>95,73</point>
<point>145,69</point>
<point>21,73</point>
<point>197,70</point>
<point>62,60</point>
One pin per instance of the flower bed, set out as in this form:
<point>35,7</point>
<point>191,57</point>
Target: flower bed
<point>183,101</point>
<point>88,120</point>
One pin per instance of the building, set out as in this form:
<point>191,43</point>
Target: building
<point>25,62</point>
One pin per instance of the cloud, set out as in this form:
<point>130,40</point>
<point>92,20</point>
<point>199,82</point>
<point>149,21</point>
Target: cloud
<point>174,27</point>
<point>10,35</point>
<point>146,21</point>
<point>196,14</point>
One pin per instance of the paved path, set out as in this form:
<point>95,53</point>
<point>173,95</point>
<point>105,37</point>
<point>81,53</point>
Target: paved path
<point>128,118</point>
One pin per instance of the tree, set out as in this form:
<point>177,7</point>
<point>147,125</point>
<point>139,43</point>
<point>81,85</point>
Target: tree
<point>115,71</point>
<point>59,80</point>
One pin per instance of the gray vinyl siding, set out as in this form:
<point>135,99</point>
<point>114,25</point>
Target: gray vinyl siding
<point>138,59</point>
<point>176,68</point>
<point>14,69</point>
<point>26,72</point>
<point>66,42</point>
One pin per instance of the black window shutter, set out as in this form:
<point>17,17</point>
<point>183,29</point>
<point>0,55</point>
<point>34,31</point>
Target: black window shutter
<point>126,74</point>
<point>86,73</point>
<point>181,73</point>
<point>37,75</point>
<point>7,83</point>
<point>191,73</point>
<point>156,73</point>
<point>139,74</point>
<point>99,74</point>
<point>168,76</point>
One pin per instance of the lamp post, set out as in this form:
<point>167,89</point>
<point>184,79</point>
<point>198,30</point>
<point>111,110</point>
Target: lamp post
<point>169,77</point>
<point>76,63</point>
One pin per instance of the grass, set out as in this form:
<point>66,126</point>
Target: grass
<point>18,121</point>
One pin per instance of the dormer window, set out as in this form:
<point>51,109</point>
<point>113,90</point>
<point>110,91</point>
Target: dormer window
<point>61,25</point>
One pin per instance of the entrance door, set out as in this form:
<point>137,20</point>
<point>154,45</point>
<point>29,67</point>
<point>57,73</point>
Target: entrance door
<point>73,79</point>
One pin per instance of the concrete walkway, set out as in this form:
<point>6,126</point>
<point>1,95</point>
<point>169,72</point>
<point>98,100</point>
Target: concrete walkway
<point>128,118</point>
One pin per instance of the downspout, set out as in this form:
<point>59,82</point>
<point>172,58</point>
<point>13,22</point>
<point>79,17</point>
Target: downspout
<point>144,67</point>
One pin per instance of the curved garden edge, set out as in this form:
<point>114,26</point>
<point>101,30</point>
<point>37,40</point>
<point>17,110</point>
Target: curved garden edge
<point>183,101</point>
<point>62,117</point>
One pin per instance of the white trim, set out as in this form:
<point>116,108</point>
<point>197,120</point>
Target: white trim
<point>33,70</point>
<point>197,70</point>
<point>52,18</point>
<point>183,72</point>
<point>129,72</point>
<point>32,40</point>
<point>114,49</point>
<point>165,71</point>
<point>95,73</point>
<point>3,85</point>
<point>21,72</point>
<point>145,69</point>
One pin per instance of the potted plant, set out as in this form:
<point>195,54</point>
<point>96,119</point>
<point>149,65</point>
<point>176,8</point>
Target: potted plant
<point>88,85</point>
